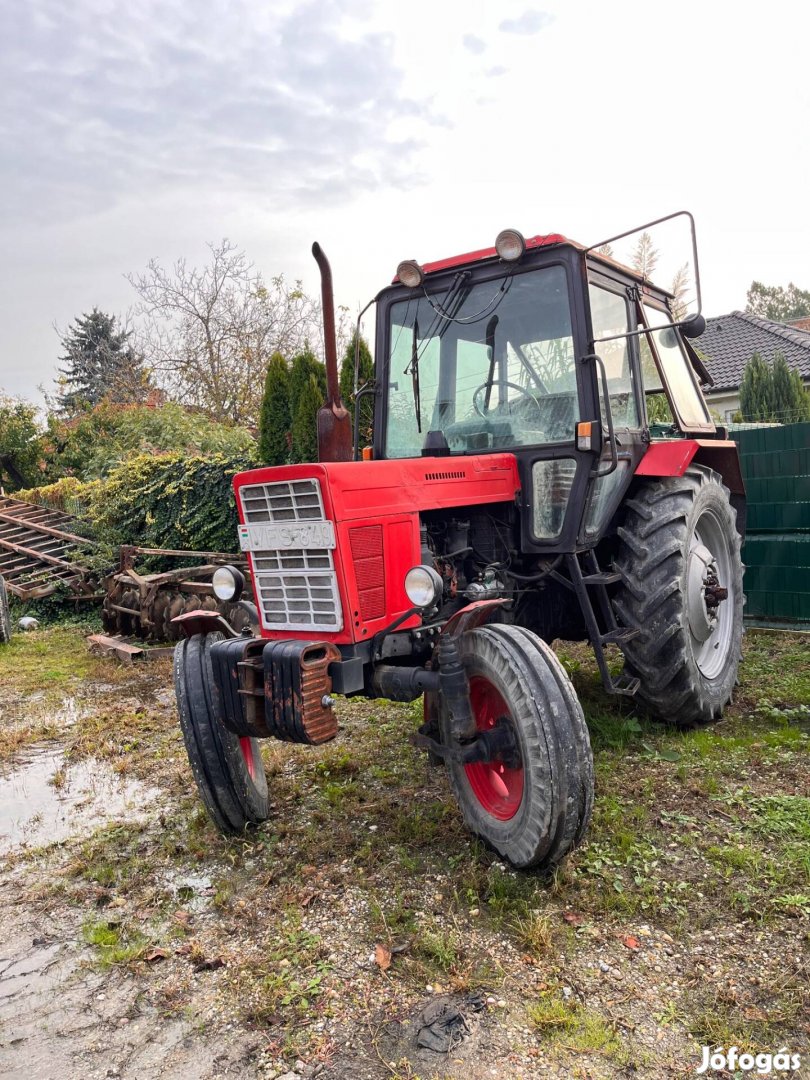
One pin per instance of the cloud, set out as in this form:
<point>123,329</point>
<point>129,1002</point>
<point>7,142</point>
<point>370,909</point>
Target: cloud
<point>473,44</point>
<point>530,22</point>
<point>496,72</point>
<point>105,101</point>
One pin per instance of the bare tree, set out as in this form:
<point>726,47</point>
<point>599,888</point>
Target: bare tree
<point>208,333</point>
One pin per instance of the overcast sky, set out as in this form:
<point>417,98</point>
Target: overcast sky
<point>384,131</point>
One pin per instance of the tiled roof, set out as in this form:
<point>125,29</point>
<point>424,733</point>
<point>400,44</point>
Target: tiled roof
<point>729,342</point>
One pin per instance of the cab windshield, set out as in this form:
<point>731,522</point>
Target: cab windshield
<point>490,365</point>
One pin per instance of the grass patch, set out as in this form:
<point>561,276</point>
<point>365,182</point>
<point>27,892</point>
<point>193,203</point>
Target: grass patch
<point>566,1023</point>
<point>47,660</point>
<point>116,945</point>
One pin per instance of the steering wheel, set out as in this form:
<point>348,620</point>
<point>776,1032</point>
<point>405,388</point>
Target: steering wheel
<point>514,386</point>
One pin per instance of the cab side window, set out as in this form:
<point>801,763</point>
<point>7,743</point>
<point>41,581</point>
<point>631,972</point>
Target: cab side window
<point>610,316</point>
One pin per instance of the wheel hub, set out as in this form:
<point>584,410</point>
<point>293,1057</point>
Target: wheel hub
<point>497,782</point>
<point>703,596</point>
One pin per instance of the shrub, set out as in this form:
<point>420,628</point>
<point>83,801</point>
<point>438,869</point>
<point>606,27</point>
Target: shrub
<point>98,440</point>
<point>20,443</point>
<point>171,501</point>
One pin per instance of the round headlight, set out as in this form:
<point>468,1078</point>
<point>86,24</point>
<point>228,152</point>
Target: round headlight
<point>228,583</point>
<point>423,586</point>
<point>510,245</point>
<point>410,273</point>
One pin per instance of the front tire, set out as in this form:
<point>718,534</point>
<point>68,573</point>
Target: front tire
<point>228,770</point>
<point>532,806</point>
<point>680,552</point>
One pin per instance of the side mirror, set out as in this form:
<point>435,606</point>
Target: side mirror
<point>693,326</point>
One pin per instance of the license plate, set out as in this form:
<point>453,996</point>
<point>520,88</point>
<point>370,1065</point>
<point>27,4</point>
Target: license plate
<point>281,536</point>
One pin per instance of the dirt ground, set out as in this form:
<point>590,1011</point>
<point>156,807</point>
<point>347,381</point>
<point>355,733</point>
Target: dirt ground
<point>136,942</point>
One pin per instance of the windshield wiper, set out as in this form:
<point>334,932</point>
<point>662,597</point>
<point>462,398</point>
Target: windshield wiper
<point>490,340</point>
<point>455,298</point>
<point>414,366</point>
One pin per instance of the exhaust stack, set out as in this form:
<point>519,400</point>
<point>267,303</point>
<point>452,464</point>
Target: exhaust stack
<point>334,421</point>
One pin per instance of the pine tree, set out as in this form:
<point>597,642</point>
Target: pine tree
<point>275,417</point>
<point>365,374</point>
<point>790,402</point>
<point>99,364</point>
<point>304,427</point>
<point>755,390</point>
<point>303,365</point>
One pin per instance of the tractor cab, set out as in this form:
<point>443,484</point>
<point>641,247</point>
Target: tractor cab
<point>543,349</point>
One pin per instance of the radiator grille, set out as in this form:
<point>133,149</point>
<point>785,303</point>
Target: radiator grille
<point>296,587</point>
<point>299,601</point>
<point>301,559</point>
<point>287,500</point>
<point>369,568</point>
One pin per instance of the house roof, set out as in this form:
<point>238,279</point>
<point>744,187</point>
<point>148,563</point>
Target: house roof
<point>729,342</point>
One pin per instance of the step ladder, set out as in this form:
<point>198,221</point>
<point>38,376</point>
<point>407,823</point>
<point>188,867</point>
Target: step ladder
<point>590,584</point>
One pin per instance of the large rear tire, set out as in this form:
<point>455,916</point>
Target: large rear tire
<point>534,805</point>
<point>5,614</point>
<point>228,770</point>
<point>680,551</point>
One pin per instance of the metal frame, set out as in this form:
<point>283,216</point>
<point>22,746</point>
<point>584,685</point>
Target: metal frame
<point>40,552</point>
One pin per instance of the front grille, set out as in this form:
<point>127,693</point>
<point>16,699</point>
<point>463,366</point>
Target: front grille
<point>286,500</point>
<point>298,601</point>
<point>301,559</point>
<point>369,568</point>
<point>296,586</point>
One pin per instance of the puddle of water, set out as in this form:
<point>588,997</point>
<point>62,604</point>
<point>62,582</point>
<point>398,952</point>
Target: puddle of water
<point>33,811</point>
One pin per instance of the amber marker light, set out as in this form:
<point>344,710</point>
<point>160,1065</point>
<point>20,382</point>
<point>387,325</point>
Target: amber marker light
<point>585,435</point>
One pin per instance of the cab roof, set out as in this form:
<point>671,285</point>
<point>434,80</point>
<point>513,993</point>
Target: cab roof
<point>532,243</point>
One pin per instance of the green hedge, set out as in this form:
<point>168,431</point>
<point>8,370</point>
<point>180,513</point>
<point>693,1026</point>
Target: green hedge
<point>169,501</point>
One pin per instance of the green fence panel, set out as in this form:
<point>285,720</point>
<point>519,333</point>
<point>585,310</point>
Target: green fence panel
<point>775,465</point>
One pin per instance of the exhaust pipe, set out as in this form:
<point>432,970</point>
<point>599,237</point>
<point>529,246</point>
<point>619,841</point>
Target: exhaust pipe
<point>335,441</point>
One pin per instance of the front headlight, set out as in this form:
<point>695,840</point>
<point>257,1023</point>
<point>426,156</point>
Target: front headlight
<point>228,583</point>
<point>423,586</point>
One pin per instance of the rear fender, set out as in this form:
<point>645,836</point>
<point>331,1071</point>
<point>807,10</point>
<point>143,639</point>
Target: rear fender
<point>673,458</point>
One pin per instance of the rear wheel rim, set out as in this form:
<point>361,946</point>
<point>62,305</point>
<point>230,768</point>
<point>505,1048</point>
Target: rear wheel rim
<point>246,745</point>
<point>711,629</point>
<point>497,787</point>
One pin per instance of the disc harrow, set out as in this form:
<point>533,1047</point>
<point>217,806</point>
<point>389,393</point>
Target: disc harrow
<point>144,605</point>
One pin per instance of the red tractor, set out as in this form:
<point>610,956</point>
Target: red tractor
<point>516,492</point>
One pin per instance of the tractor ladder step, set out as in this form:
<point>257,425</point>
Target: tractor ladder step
<point>626,685</point>
<point>604,577</point>
<point>619,636</point>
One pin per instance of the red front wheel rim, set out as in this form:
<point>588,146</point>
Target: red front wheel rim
<point>246,745</point>
<point>497,786</point>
